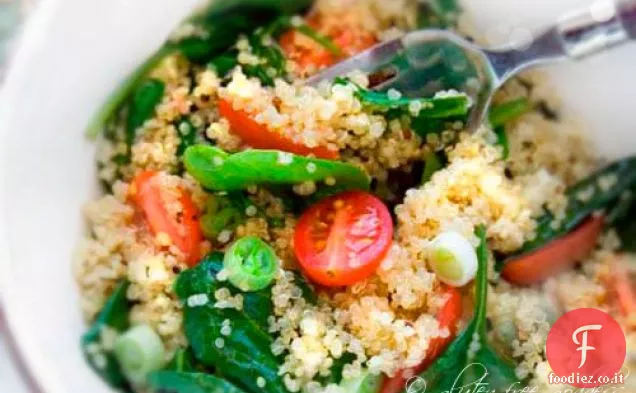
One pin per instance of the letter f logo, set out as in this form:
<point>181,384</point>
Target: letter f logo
<point>583,345</point>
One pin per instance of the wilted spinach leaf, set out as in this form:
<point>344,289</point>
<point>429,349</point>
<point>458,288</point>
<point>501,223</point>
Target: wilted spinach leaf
<point>503,113</point>
<point>144,100</point>
<point>187,382</point>
<point>220,25</point>
<point>118,98</point>
<point>502,140</point>
<point>433,115</point>
<point>625,223</point>
<point>507,111</point>
<point>184,361</point>
<point>187,135</point>
<point>433,162</point>
<point>217,170</point>
<point>469,359</point>
<point>224,21</point>
<point>439,14</point>
<point>439,107</point>
<point>114,315</point>
<point>590,195</point>
<point>245,354</point>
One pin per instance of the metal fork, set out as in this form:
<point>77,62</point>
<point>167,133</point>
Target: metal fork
<point>424,62</point>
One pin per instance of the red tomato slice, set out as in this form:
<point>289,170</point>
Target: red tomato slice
<point>310,55</point>
<point>625,290</point>
<point>315,57</point>
<point>353,43</point>
<point>259,137</point>
<point>343,239</point>
<point>448,317</point>
<point>557,256</point>
<point>184,229</point>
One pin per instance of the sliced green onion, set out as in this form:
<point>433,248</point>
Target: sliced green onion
<point>453,259</point>
<point>251,264</point>
<point>139,351</point>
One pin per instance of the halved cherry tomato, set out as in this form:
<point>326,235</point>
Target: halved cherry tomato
<point>183,229</point>
<point>448,317</point>
<point>557,256</point>
<point>310,55</point>
<point>307,56</point>
<point>353,42</point>
<point>344,238</point>
<point>260,137</point>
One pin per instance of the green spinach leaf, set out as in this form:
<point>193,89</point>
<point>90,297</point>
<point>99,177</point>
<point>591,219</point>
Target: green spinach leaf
<point>273,63</point>
<point>224,63</point>
<point>244,354</point>
<point>145,99</point>
<point>469,359</point>
<point>187,135</point>
<point>217,170</point>
<point>599,191</point>
<point>118,98</point>
<point>184,361</point>
<point>440,14</point>
<point>224,212</point>
<point>227,210</point>
<point>502,140</point>
<point>189,382</point>
<point>623,218</point>
<point>627,233</point>
<point>439,107</point>
<point>224,21</point>
<point>114,315</point>
<point>501,114</point>
<point>432,163</point>
<point>428,115</point>
<point>219,26</point>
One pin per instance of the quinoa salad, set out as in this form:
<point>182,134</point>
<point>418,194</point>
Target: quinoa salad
<point>258,234</point>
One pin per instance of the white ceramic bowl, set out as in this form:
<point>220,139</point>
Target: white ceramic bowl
<point>72,54</point>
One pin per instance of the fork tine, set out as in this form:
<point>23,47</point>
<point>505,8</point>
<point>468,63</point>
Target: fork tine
<point>367,61</point>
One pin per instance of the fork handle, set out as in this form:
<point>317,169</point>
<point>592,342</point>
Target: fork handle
<point>603,25</point>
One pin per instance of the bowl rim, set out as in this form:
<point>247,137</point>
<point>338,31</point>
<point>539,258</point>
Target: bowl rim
<point>31,364</point>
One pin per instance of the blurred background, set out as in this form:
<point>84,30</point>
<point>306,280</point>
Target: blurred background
<point>12,13</point>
